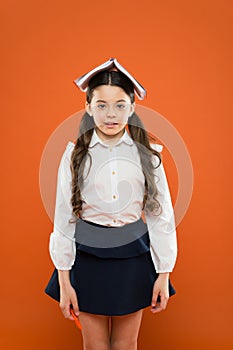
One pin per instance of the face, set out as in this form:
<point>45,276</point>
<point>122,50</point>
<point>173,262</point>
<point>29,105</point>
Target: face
<point>110,107</point>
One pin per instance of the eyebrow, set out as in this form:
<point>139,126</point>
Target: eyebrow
<point>122,100</point>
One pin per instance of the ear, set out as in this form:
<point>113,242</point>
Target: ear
<point>88,109</point>
<point>132,109</point>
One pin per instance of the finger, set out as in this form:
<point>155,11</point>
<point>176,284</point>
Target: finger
<point>74,302</point>
<point>160,306</point>
<point>154,298</point>
<point>164,301</point>
<point>156,309</point>
<point>65,308</point>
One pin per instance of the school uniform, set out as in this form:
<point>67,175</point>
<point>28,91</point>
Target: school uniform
<point>114,257</point>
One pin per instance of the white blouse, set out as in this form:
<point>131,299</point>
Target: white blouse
<point>112,195</point>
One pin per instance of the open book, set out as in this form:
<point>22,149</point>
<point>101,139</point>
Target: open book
<point>82,82</point>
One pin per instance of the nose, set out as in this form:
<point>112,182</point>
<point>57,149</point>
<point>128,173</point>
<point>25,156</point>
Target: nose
<point>111,111</point>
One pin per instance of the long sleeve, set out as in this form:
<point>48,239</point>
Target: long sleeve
<point>62,242</point>
<point>161,226</point>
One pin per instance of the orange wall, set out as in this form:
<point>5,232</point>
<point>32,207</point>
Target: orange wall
<point>181,51</point>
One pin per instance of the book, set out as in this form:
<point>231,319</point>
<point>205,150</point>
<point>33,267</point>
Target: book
<point>82,82</point>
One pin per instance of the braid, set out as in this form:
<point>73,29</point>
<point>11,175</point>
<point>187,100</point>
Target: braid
<point>140,136</point>
<point>78,160</point>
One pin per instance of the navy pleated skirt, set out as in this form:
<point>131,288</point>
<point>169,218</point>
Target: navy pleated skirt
<point>113,284</point>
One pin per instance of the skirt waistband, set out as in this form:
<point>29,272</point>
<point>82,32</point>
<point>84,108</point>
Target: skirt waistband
<point>100,236</point>
<point>118,242</point>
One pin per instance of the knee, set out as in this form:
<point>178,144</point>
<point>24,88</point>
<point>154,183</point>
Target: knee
<point>95,345</point>
<point>124,344</point>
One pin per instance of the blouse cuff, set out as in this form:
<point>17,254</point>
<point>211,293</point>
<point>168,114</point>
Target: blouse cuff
<point>62,251</point>
<point>161,264</point>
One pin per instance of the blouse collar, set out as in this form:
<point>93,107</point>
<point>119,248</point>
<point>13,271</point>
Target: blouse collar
<point>125,138</point>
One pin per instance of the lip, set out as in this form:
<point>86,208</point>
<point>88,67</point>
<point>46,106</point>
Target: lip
<point>110,123</point>
<point>110,126</point>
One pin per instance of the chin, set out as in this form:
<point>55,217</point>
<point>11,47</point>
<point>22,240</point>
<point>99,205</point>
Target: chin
<point>112,132</point>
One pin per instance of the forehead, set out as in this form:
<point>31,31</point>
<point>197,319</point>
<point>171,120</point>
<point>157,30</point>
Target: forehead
<point>109,93</point>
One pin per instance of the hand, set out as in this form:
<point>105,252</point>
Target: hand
<point>68,298</point>
<point>160,289</point>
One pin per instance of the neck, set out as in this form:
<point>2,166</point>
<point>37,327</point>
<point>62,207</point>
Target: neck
<point>110,140</point>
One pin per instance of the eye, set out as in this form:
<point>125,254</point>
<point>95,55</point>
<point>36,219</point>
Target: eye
<point>101,106</point>
<point>120,106</point>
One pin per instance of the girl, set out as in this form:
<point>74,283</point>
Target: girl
<point>109,263</point>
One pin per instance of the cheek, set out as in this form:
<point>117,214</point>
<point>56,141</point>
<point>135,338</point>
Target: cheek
<point>98,120</point>
<point>124,119</point>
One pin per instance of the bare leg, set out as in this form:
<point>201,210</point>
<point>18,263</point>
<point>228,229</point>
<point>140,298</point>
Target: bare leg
<point>124,331</point>
<point>95,331</point>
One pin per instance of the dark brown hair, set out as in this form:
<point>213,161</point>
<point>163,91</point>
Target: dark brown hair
<point>137,132</point>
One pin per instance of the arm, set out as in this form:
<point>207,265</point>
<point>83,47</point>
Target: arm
<point>67,294</point>
<point>62,243</point>
<point>160,288</point>
<point>163,241</point>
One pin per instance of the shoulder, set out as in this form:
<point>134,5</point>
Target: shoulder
<point>157,147</point>
<point>70,145</point>
<point>155,159</point>
<point>66,156</point>
<point>69,148</point>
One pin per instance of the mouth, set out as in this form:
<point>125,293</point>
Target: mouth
<point>110,123</point>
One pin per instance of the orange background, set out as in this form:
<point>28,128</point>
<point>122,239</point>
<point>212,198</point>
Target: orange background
<point>181,51</point>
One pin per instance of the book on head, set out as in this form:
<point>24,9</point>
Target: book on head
<point>82,82</point>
